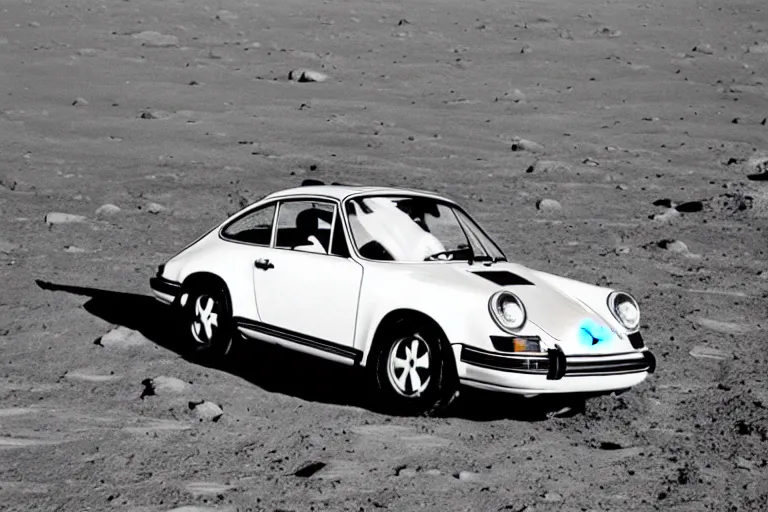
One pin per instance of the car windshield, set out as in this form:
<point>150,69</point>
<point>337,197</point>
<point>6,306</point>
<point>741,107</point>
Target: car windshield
<point>416,229</point>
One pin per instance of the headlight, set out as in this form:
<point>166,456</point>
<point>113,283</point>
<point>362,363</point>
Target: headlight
<point>507,310</point>
<point>625,309</point>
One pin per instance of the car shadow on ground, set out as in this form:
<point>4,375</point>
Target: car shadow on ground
<point>279,370</point>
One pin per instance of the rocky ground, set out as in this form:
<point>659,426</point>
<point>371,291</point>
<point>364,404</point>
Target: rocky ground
<point>618,142</point>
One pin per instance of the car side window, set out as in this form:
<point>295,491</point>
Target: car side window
<point>305,225</point>
<point>253,228</point>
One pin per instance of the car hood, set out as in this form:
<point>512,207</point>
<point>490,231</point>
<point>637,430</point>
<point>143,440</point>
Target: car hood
<point>557,313</point>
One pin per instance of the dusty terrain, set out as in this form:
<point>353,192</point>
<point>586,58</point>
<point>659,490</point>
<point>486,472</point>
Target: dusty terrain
<point>621,104</point>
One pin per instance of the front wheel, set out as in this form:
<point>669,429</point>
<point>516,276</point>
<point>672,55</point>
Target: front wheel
<point>411,372</point>
<point>205,320</point>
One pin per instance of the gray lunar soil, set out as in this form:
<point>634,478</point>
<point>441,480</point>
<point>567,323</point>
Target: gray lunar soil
<point>622,143</point>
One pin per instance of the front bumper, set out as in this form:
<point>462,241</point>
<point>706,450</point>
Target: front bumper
<point>164,289</point>
<point>553,372</point>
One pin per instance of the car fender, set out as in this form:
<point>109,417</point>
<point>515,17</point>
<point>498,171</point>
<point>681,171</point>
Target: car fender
<point>461,312</point>
<point>232,263</point>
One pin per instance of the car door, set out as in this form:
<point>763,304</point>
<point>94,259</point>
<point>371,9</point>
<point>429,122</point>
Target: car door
<point>307,291</point>
<point>250,237</point>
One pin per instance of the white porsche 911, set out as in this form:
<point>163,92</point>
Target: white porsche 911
<point>406,285</point>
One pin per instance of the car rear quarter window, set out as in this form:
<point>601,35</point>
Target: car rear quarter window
<point>254,227</point>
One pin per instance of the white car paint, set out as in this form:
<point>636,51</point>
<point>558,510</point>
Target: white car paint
<point>343,300</point>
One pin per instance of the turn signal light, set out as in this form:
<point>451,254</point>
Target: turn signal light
<point>526,345</point>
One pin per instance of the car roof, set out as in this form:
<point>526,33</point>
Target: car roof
<point>341,192</point>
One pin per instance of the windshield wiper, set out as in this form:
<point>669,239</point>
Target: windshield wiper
<point>479,258</point>
<point>484,258</point>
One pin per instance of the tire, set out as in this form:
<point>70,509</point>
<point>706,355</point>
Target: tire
<point>205,320</point>
<point>407,384</point>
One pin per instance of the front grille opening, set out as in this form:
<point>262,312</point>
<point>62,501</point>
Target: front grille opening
<point>636,339</point>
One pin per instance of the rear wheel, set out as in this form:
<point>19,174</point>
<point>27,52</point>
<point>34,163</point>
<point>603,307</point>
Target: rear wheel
<point>411,371</point>
<point>205,318</point>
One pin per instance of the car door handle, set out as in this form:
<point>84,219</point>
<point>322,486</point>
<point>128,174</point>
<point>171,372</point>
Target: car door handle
<point>263,264</point>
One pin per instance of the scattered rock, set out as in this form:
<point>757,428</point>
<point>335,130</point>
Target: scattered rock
<point>156,208</point>
<point>107,210</point>
<point>609,445</point>
<point>551,497</point>
<point>72,249</point>
<point>758,162</point>
<point>515,96</point>
<point>8,183</point>
<point>590,162</point>
<point>168,384</point>
<point>433,472</point>
<point>153,39</point>
<point>731,202</point>
<point>7,247</point>
<point>87,52</point>
<point>758,165</point>
<point>468,476</point>
<point>162,384</point>
<point>675,246</point>
<point>205,410</point>
<point>525,49</point>
<point>542,166</point>
<point>666,203</point>
<point>34,24</point>
<point>520,144</point>
<point>306,75</point>
<point>742,463</point>
<point>122,337</point>
<point>548,205</point>
<point>703,48</point>
<point>153,114</point>
<point>666,216</point>
<point>63,218</point>
<point>309,469</point>
<point>702,352</point>
<point>621,186</point>
<point>79,101</point>
<point>608,32</point>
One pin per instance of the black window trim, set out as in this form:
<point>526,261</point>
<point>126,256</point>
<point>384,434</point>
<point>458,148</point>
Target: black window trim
<point>276,201</point>
<point>280,201</point>
<point>244,213</point>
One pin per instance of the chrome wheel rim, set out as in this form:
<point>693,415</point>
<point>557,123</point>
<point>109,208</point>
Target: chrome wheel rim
<point>408,366</point>
<point>205,320</point>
